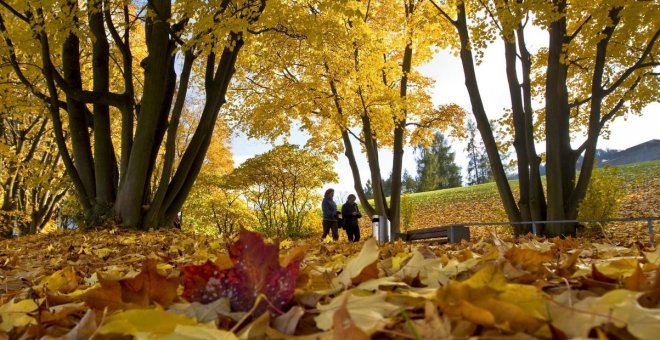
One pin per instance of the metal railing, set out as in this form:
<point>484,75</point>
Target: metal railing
<point>649,221</point>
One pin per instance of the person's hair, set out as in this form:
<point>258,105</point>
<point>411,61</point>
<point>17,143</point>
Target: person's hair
<point>350,196</point>
<point>328,193</point>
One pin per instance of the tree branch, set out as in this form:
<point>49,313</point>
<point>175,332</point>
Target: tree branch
<point>639,64</point>
<point>444,14</point>
<point>14,11</point>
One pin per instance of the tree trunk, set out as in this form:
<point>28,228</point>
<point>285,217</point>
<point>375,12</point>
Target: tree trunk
<point>105,162</point>
<point>537,204</point>
<point>483,125</point>
<point>131,195</point>
<point>560,164</point>
<point>348,150</point>
<point>399,136</point>
<point>519,142</point>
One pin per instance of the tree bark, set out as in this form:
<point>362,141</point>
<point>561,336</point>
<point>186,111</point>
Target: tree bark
<point>559,153</point>
<point>479,112</point>
<point>131,195</point>
<point>105,161</point>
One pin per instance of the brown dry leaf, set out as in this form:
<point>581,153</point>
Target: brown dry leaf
<point>567,267</point>
<point>147,287</point>
<point>454,299</point>
<point>528,259</point>
<point>83,330</point>
<point>344,327</point>
<point>369,272</point>
<point>637,281</point>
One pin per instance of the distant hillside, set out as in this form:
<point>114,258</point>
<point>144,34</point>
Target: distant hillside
<point>647,151</point>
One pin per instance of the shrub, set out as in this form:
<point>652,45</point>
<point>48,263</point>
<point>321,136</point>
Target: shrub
<point>407,212</point>
<point>603,196</point>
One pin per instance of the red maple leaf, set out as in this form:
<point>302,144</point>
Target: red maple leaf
<point>256,270</point>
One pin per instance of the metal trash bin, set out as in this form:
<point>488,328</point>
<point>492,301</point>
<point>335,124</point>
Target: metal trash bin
<point>380,229</point>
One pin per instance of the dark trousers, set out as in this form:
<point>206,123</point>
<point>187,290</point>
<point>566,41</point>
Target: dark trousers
<point>327,226</point>
<point>353,233</point>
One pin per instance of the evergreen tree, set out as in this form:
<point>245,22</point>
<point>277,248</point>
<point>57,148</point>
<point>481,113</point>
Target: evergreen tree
<point>408,182</point>
<point>478,167</point>
<point>436,168</point>
<point>368,190</point>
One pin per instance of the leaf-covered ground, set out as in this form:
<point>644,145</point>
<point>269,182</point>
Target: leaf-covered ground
<point>112,284</point>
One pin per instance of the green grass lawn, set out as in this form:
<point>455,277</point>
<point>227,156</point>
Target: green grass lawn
<point>481,203</point>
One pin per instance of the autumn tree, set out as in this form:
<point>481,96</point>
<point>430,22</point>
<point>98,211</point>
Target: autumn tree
<point>345,71</point>
<point>32,179</point>
<point>280,185</point>
<point>436,168</point>
<point>599,64</point>
<point>86,69</point>
<point>212,206</point>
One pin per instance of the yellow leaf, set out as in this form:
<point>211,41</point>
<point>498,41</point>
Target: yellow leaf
<point>489,276</point>
<point>103,252</point>
<point>199,332</point>
<point>527,297</point>
<point>16,314</point>
<point>63,281</point>
<point>142,323</point>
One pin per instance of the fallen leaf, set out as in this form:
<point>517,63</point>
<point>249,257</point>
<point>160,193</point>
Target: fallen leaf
<point>288,322</point>
<point>62,281</point>
<point>355,265</point>
<point>142,323</point>
<point>82,331</point>
<point>17,314</point>
<point>147,287</point>
<point>205,312</point>
<point>368,311</point>
<point>344,327</point>
<point>637,281</point>
<point>528,259</point>
<point>619,307</point>
<point>256,271</point>
<point>198,332</point>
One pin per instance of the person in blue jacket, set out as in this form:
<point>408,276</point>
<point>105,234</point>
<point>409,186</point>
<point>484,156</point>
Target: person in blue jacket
<point>330,215</point>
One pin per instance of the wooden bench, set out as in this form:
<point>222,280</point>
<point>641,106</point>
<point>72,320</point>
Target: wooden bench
<point>452,233</point>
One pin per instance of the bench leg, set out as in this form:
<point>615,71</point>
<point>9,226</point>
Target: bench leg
<point>457,233</point>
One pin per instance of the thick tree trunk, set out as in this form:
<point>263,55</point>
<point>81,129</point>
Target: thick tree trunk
<point>537,204</point>
<point>560,164</point>
<point>78,120</point>
<point>105,162</point>
<point>519,142</point>
<point>131,195</point>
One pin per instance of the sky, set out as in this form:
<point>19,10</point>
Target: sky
<point>449,87</point>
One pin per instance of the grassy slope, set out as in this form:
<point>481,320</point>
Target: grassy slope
<point>481,203</point>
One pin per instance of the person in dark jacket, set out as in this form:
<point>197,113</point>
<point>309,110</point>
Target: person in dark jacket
<point>330,215</point>
<point>351,214</point>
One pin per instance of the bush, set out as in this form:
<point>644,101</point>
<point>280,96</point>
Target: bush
<point>603,196</point>
<point>407,212</point>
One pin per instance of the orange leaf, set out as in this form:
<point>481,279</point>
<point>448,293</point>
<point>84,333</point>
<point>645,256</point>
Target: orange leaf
<point>528,259</point>
<point>637,281</point>
<point>142,290</point>
<point>344,327</point>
